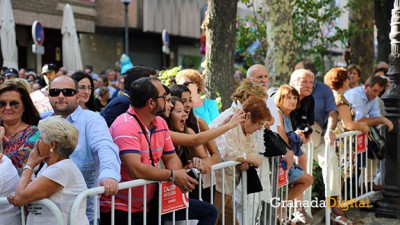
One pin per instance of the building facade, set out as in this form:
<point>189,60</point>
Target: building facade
<point>100,26</point>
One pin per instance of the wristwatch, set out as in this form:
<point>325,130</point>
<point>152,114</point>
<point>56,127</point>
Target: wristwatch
<point>171,178</point>
<point>27,167</point>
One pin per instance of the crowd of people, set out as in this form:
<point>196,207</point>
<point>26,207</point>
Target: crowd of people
<point>65,133</point>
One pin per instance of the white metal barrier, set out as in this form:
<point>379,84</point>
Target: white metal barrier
<point>268,214</point>
<point>45,202</point>
<point>355,170</point>
<point>140,182</point>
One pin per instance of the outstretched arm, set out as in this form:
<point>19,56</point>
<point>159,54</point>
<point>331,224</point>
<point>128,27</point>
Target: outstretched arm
<point>206,135</point>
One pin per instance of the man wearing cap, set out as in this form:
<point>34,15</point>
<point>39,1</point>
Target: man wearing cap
<point>49,72</point>
<point>39,97</point>
<point>10,73</point>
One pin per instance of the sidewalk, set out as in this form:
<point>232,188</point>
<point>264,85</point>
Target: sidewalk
<point>358,217</point>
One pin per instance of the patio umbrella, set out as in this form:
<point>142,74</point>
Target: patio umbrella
<point>7,35</point>
<point>70,46</point>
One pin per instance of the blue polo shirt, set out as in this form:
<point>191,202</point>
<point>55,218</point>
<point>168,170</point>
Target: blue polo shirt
<point>324,102</point>
<point>364,107</point>
<point>116,107</point>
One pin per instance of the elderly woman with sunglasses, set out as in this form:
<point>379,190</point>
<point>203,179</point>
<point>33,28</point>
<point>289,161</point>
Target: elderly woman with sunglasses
<point>19,117</point>
<point>60,179</point>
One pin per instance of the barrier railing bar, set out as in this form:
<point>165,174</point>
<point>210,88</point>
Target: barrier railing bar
<point>45,202</point>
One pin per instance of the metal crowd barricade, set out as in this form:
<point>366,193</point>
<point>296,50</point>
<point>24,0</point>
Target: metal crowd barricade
<point>355,169</point>
<point>140,182</point>
<point>266,212</point>
<point>45,202</point>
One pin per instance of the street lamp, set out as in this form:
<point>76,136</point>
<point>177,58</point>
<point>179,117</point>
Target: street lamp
<point>126,3</point>
<point>389,205</point>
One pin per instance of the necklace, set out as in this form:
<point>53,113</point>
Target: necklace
<point>17,130</point>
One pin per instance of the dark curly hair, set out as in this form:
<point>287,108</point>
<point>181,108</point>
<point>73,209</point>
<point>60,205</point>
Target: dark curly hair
<point>78,76</point>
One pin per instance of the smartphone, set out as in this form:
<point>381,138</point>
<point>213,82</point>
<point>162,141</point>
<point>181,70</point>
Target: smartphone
<point>284,167</point>
<point>193,173</point>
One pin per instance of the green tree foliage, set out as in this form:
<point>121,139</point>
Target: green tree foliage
<point>315,29</point>
<point>168,76</point>
<point>250,30</point>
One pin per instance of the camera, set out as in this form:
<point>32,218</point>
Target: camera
<point>307,131</point>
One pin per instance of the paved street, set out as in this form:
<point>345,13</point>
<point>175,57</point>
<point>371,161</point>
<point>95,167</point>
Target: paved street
<point>358,216</point>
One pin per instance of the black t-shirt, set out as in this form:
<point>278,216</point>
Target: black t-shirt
<point>304,115</point>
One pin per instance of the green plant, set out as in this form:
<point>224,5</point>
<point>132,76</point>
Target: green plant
<point>315,29</point>
<point>318,187</point>
<point>251,43</point>
<point>168,76</point>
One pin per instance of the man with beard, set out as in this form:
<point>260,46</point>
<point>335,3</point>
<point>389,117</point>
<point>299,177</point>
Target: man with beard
<point>143,140</point>
<point>96,154</point>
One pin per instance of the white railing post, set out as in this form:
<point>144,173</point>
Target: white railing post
<point>244,198</point>
<point>327,185</point>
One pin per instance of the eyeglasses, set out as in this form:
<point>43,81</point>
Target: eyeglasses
<point>84,88</point>
<point>162,96</point>
<point>67,92</point>
<point>13,104</point>
<point>186,83</point>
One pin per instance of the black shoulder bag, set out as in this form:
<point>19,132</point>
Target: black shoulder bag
<point>274,144</point>
<point>376,144</point>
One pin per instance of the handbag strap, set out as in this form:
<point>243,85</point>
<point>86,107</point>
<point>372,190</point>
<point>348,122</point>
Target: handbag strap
<point>144,130</point>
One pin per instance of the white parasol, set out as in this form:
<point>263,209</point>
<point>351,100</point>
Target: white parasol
<point>70,45</point>
<point>9,48</point>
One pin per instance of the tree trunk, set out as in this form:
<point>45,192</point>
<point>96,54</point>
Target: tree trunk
<point>220,49</point>
<point>281,48</point>
<point>382,15</point>
<point>362,44</point>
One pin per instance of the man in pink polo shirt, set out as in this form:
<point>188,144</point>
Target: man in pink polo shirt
<point>143,139</point>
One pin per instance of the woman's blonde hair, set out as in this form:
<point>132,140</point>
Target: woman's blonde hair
<point>247,88</point>
<point>193,75</point>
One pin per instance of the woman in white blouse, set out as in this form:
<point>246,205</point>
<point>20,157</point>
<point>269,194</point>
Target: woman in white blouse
<point>59,180</point>
<point>238,145</point>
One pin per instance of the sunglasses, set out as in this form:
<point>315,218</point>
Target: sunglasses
<point>186,83</point>
<point>67,92</point>
<point>13,104</point>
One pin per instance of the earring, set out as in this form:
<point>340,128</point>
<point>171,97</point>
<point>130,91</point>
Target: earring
<point>51,150</point>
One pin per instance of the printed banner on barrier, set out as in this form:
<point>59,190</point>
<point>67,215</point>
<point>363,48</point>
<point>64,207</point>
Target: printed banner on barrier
<point>362,140</point>
<point>282,178</point>
<point>172,198</point>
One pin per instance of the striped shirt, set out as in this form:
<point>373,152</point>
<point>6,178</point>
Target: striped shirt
<point>128,135</point>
